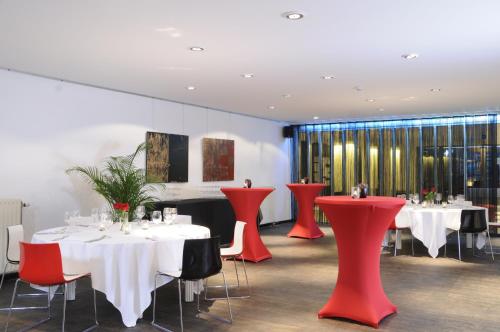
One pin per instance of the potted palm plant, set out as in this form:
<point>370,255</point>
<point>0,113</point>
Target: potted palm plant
<point>120,182</point>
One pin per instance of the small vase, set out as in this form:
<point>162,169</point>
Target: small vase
<point>124,221</point>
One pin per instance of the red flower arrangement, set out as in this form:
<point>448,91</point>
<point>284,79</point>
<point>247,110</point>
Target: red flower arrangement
<point>429,194</point>
<point>121,207</point>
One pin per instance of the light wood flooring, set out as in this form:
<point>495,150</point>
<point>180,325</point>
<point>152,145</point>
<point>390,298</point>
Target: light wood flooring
<point>440,294</point>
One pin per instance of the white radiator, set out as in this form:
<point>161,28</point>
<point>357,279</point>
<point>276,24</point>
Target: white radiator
<point>10,214</point>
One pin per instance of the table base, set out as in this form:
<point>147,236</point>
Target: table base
<point>368,313</point>
<point>306,232</point>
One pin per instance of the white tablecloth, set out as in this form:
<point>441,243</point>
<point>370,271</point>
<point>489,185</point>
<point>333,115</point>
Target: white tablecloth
<point>123,266</point>
<point>432,225</point>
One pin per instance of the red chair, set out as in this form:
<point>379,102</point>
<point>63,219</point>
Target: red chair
<point>41,264</point>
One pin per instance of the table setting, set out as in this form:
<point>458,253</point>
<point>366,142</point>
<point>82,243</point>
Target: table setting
<point>123,260</point>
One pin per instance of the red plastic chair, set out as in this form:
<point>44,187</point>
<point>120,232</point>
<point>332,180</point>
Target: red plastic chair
<point>41,264</point>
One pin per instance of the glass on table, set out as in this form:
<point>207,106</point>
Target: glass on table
<point>439,198</point>
<point>355,192</point>
<point>416,198</point>
<point>156,217</point>
<point>450,199</point>
<point>94,213</point>
<point>140,212</point>
<point>105,220</point>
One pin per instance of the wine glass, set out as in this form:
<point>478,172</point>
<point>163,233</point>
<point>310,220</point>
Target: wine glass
<point>173,214</point>
<point>416,199</point>
<point>67,216</point>
<point>106,220</point>
<point>94,213</point>
<point>156,217</point>
<point>450,199</point>
<point>140,212</point>
<point>439,198</point>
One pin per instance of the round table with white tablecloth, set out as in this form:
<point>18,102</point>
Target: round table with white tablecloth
<point>123,266</point>
<point>431,225</point>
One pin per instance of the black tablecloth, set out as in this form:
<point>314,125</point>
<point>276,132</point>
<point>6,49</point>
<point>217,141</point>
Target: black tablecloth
<point>215,213</point>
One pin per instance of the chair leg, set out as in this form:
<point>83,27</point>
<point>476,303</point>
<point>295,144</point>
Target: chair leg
<point>396,244</point>
<point>11,305</point>
<point>64,307</point>
<point>180,304</point>
<point>412,247</point>
<point>246,276</point>
<point>3,275</point>
<point>236,269</point>
<point>153,322</point>
<point>472,244</point>
<point>230,320</point>
<point>491,248</point>
<point>459,253</point>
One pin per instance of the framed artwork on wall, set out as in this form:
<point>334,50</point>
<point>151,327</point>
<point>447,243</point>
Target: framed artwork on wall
<point>218,159</point>
<point>166,157</point>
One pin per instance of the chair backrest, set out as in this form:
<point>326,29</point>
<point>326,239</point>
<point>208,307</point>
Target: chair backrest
<point>473,221</point>
<point>201,258</point>
<point>239,228</point>
<point>15,234</point>
<point>41,264</point>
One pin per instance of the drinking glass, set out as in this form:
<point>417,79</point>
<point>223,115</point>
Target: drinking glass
<point>167,215</point>
<point>106,220</point>
<point>67,215</point>
<point>173,214</point>
<point>354,192</point>
<point>416,199</point>
<point>156,217</point>
<point>94,213</point>
<point>450,199</point>
<point>439,198</point>
<point>140,211</point>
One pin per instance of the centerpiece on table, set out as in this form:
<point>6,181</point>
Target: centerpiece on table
<point>429,195</point>
<point>122,184</point>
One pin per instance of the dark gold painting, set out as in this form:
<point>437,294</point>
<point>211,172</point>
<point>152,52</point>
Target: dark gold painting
<point>218,159</point>
<point>166,157</point>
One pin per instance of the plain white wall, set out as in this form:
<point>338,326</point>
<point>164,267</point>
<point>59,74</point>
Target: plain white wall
<point>47,126</point>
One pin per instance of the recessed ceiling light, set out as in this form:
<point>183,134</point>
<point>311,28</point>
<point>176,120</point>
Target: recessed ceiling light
<point>190,88</point>
<point>272,107</point>
<point>286,95</point>
<point>410,98</point>
<point>381,109</point>
<point>410,56</point>
<point>293,15</point>
<point>328,77</point>
<point>371,100</point>
<point>173,32</point>
<point>435,90</point>
<point>196,49</point>
<point>247,75</point>
<point>315,117</point>
<point>358,88</point>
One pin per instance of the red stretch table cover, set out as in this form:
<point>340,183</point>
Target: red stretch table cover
<point>359,226</point>
<point>305,226</point>
<point>246,202</point>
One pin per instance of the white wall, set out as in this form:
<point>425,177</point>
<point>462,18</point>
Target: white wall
<point>47,126</point>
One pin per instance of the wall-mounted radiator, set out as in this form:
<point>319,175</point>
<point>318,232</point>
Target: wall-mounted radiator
<point>11,213</point>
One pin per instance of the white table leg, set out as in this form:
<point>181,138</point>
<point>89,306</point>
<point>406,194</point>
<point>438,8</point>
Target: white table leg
<point>188,291</point>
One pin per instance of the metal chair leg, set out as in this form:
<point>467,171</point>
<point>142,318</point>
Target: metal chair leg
<point>11,304</point>
<point>459,253</point>
<point>230,320</point>
<point>472,244</point>
<point>180,304</point>
<point>412,248</point>
<point>207,287</point>
<point>153,322</point>
<point>64,307</point>
<point>246,276</point>
<point>491,248</point>
<point>396,244</point>
<point>3,275</point>
<point>236,269</point>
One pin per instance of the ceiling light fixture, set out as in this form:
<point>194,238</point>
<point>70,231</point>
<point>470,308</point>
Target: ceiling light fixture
<point>286,95</point>
<point>293,15</point>
<point>358,88</point>
<point>196,49</point>
<point>410,56</point>
<point>371,100</point>
<point>315,117</point>
<point>381,109</point>
<point>247,75</point>
<point>190,88</point>
<point>328,77</point>
<point>272,107</point>
<point>435,90</point>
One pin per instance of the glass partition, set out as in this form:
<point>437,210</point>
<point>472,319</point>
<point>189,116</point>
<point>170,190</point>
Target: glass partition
<point>457,155</point>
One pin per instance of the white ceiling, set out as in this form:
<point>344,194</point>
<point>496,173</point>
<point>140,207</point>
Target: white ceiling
<point>115,44</point>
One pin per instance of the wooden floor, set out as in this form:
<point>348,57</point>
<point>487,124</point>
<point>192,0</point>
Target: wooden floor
<point>440,294</point>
